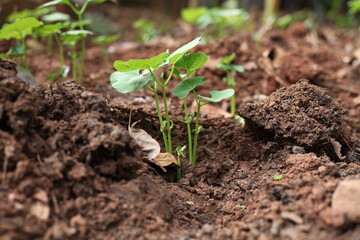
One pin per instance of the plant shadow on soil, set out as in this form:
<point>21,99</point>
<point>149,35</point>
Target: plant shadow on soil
<point>73,171</point>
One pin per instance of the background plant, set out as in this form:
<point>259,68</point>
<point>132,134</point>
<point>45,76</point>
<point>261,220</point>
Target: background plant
<point>138,73</point>
<point>19,30</point>
<point>215,21</point>
<point>79,10</point>
<point>105,41</point>
<point>146,29</point>
<point>230,69</point>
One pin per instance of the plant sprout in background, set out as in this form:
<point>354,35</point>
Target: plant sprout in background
<point>147,31</point>
<point>71,38</point>
<point>230,69</point>
<point>79,11</point>
<point>180,151</point>
<point>138,73</point>
<point>215,22</point>
<point>50,31</point>
<point>19,30</point>
<point>105,41</point>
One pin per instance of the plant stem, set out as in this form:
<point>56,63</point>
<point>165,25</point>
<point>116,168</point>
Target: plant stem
<point>196,131</point>
<point>82,53</point>
<point>156,96</point>
<point>61,53</point>
<point>49,45</point>
<point>178,171</point>
<point>188,126</point>
<point>233,105</point>
<point>168,123</point>
<point>73,57</point>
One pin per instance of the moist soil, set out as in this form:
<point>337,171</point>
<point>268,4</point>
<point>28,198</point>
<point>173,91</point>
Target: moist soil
<point>72,171</point>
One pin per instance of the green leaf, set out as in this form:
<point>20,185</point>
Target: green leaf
<point>230,67</point>
<point>126,82</point>
<point>73,36</point>
<point>175,56</point>
<point>50,29</point>
<point>141,64</point>
<point>187,85</point>
<point>19,29</point>
<point>17,51</point>
<point>53,3</point>
<point>192,61</point>
<point>227,59</point>
<point>106,39</point>
<point>217,96</point>
<point>278,177</point>
<point>56,17</point>
<point>192,15</point>
<point>29,13</point>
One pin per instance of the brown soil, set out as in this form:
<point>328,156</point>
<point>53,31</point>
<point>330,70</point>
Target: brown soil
<point>73,172</point>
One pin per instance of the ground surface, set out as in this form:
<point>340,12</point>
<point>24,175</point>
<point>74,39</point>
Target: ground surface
<point>73,171</point>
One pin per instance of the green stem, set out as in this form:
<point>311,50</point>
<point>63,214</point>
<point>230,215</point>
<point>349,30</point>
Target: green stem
<point>82,53</point>
<point>161,120</point>
<point>74,65</point>
<point>188,126</point>
<point>49,45</point>
<point>178,171</point>
<point>168,123</point>
<point>61,53</point>
<point>196,131</point>
<point>233,105</point>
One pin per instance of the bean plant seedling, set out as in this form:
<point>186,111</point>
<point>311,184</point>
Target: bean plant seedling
<point>51,30</point>
<point>105,41</point>
<point>71,38</point>
<point>19,30</point>
<point>215,21</point>
<point>147,31</point>
<point>230,69</point>
<point>191,62</point>
<point>138,73</point>
<point>79,11</point>
<point>180,151</point>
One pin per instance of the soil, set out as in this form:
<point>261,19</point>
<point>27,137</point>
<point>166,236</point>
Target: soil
<point>72,171</point>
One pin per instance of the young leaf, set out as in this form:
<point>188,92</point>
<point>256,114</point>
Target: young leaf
<point>56,17</point>
<point>217,96</point>
<point>175,56</point>
<point>141,64</point>
<point>192,61</point>
<point>53,3</point>
<point>101,1</point>
<point>230,67</point>
<point>227,59</point>
<point>19,29</point>
<point>192,15</point>
<point>187,85</point>
<point>50,29</point>
<point>126,82</point>
<point>105,39</point>
<point>73,36</point>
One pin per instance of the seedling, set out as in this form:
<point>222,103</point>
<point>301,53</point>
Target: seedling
<point>51,30</point>
<point>146,29</point>
<point>215,21</point>
<point>19,30</point>
<point>79,11</point>
<point>241,207</point>
<point>105,41</point>
<point>138,73</point>
<point>230,69</point>
<point>190,203</point>
<point>180,150</point>
<point>182,90</point>
<point>71,38</point>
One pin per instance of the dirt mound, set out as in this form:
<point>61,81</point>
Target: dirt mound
<point>301,114</point>
<point>61,151</point>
